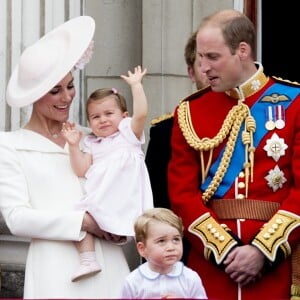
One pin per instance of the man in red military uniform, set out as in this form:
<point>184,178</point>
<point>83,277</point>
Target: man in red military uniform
<point>234,173</point>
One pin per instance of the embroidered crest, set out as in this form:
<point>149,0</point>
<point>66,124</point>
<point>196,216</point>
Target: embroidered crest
<point>255,84</point>
<point>275,179</point>
<point>275,147</point>
<point>275,98</point>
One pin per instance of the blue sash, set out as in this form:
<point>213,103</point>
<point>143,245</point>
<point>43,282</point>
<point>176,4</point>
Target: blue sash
<point>237,161</point>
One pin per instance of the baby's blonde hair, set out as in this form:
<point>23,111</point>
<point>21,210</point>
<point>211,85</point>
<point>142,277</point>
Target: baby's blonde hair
<point>103,93</point>
<point>157,214</point>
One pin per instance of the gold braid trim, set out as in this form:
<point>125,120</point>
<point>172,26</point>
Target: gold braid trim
<point>247,138</point>
<point>295,292</point>
<point>231,126</point>
<point>275,234</point>
<point>214,236</point>
<point>295,287</point>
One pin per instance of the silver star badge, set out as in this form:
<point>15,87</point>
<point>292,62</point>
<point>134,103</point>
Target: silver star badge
<point>275,147</point>
<point>275,179</point>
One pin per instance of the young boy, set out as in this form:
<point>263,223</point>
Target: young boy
<point>158,234</point>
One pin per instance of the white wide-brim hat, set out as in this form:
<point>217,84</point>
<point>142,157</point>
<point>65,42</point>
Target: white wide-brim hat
<point>46,62</point>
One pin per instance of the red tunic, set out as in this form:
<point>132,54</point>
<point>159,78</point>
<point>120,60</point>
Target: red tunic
<point>208,110</point>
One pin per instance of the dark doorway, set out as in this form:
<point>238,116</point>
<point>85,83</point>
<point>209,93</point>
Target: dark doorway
<point>280,45</point>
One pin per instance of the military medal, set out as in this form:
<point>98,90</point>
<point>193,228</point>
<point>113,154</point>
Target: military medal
<point>270,124</point>
<point>280,119</point>
<point>275,179</point>
<point>275,147</point>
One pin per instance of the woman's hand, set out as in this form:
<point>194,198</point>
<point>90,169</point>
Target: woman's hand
<point>90,225</point>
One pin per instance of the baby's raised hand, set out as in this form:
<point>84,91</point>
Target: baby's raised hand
<point>135,77</point>
<point>70,133</point>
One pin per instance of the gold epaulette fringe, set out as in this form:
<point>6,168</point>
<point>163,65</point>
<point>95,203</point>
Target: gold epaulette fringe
<point>161,118</point>
<point>286,81</point>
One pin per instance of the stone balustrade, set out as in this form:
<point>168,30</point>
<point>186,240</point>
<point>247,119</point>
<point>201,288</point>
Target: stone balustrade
<point>12,261</point>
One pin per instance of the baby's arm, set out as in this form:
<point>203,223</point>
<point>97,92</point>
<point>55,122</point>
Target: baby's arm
<point>80,161</point>
<point>140,106</point>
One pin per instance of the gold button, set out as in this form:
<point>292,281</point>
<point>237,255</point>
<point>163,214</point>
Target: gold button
<point>217,234</point>
<point>241,185</point>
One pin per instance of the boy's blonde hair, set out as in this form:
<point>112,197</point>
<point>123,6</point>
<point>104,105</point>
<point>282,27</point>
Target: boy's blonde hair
<point>157,214</point>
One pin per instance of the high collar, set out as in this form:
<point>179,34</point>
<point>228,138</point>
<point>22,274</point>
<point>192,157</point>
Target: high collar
<point>251,86</point>
<point>28,140</point>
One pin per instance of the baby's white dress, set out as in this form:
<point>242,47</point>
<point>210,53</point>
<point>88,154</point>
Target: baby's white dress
<point>117,188</point>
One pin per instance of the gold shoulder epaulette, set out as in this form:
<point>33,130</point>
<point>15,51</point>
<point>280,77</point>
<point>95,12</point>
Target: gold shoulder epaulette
<point>289,82</point>
<point>161,118</point>
<point>196,94</point>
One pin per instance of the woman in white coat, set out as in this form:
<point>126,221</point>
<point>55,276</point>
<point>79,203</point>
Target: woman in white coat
<point>38,188</point>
